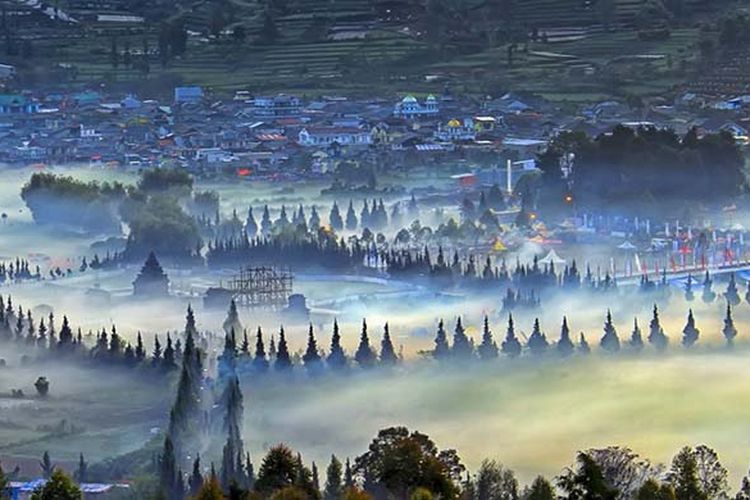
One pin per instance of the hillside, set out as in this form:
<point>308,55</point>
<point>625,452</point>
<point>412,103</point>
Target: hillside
<point>567,49</point>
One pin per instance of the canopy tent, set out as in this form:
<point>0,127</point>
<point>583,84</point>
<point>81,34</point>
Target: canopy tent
<point>552,258</point>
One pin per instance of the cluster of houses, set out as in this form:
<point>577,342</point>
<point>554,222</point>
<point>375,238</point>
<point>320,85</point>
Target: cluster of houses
<point>285,134</point>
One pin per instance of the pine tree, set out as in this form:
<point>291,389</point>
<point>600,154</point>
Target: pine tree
<point>315,477</point>
<point>30,330</point>
<point>351,217</point>
<point>46,465</point>
<point>283,361</point>
<point>195,482</point>
<point>511,346</point>
<point>156,355</point>
<point>348,475</point>
<point>636,340</point>
<point>583,346</point>
<point>656,336</point>
<point>19,323</point>
<point>115,344</point>
<point>232,321</point>
<point>487,350</point>
<point>337,357</point>
<point>260,362</point>
<point>314,222</point>
<point>334,487</point>
<point>227,360</point>
<point>610,341</point>
<point>462,348</point>
<point>81,474</point>
<point>365,356</point>
<point>690,333</point>
<point>140,351</point>
<point>167,469</point>
<point>311,358</point>
<point>245,348</point>
<point>232,422</point>
<point>265,223</point>
<point>168,357</point>
<point>41,338</point>
<point>537,340</point>
<point>387,353</point>
<point>251,227</point>
<point>729,331</point>
<point>565,345</point>
<point>442,349</point>
<point>334,218</point>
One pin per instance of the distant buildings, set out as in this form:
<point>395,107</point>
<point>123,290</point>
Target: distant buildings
<point>152,281</point>
<point>188,95</point>
<point>456,130</point>
<point>14,104</point>
<point>277,106</point>
<point>327,136</point>
<point>410,107</point>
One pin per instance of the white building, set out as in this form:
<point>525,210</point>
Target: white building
<point>326,136</point>
<point>456,130</point>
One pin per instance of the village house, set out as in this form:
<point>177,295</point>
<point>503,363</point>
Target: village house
<point>280,105</point>
<point>456,130</point>
<point>327,136</point>
<point>14,104</point>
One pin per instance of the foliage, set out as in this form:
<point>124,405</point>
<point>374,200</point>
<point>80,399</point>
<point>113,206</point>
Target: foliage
<point>401,461</point>
<point>58,487</point>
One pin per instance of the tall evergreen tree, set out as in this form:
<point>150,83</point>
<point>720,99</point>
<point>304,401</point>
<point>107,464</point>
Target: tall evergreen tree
<point>232,321</point>
<point>442,349</point>
<point>311,358</point>
<point>260,362</point>
<point>81,475</point>
<point>610,341</point>
<point>565,345</point>
<point>636,339</point>
<point>140,350</point>
<point>365,356</point>
<point>336,357</point>
<point>283,362</point>
<point>487,350</point>
<point>583,345</point>
<point>387,352</point>
<point>351,217</point>
<point>334,219</point>
<point>537,340</point>
<point>334,488</point>
<point>462,347</point>
<point>168,356</point>
<point>511,346</point>
<point>195,482</point>
<point>167,469</point>
<point>690,333</point>
<point>729,331</point>
<point>232,423</point>
<point>656,336</point>
<point>156,355</point>
<point>251,227</point>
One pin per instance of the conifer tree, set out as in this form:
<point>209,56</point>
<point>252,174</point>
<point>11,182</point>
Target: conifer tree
<point>351,217</point>
<point>537,340</point>
<point>388,355</point>
<point>315,477</point>
<point>19,323</point>
<point>30,330</point>
<point>442,349</point>
<point>232,422</point>
<point>636,339</point>
<point>487,350</point>
<point>336,357</point>
<point>115,344</point>
<point>245,348</point>
<point>583,346</point>
<point>167,469</point>
<point>81,474</point>
<point>348,475</point>
<point>689,295</point>
<point>732,295</point>
<point>260,362</point>
<point>565,345</point>
<point>511,346</point>
<point>610,341</point>
<point>41,339</point>
<point>334,218</point>
<point>195,482</point>
<point>314,223</point>
<point>156,355</point>
<point>251,227</point>
<point>729,331</point>
<point>365,356</point>
<point>656,336</point>
<point>46,465</point>
<point>265,223</point>
<point>311,358</point>
<point>168,361</point>
<point>690,333</point>
<point>140,351</point>
<point>52,335</point>
<point>283,362</point>
<point>66,334</point>
<point>232,321</point>
<point>462,348</point>
<point>227,360</point>
<point>334,487</point>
